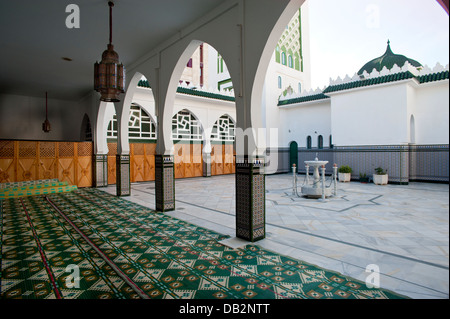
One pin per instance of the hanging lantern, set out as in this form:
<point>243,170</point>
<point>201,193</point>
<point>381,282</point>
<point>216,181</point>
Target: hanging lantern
<point>109,74</point>
<point>46,124</point>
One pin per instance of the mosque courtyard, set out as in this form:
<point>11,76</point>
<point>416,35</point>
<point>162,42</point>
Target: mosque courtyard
<point>401,231</point>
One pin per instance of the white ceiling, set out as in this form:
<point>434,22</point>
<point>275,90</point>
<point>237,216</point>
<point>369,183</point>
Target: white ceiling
<point>34,39</point>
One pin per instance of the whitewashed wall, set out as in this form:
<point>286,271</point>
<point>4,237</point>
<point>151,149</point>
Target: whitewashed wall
<point>431,113</point>
<point>375,115</point>
<point>303,119</point>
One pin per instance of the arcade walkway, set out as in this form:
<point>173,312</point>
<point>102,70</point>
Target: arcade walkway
<point>402,229</point>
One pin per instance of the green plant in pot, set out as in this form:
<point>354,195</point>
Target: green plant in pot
<point>380,177</point>
<point>345,173</point>
<point>363,178</point>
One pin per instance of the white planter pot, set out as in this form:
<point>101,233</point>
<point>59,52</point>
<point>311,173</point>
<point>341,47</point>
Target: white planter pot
<point>344,177</point>
<point>380,179</point>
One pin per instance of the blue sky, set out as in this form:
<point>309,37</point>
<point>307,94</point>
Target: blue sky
<point>346,34</point>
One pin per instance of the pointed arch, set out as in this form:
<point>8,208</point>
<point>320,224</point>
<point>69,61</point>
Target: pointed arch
<point>123,113</point>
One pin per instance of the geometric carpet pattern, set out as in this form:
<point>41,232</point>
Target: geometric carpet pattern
<point>87,244</point>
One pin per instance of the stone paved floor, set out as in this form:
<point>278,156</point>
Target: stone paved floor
<point>402,229</point>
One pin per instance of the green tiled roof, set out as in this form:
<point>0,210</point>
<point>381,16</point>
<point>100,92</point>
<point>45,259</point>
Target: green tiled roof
<point>433,77</point>
<point>205,94</point>
<point>372,81</point>
<point>301,99</point>
<point>388,59</point>
<point>144,83</point>
<point>438,76</point>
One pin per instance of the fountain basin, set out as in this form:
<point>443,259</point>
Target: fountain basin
<point>316,163</point>
<point>315,192</point>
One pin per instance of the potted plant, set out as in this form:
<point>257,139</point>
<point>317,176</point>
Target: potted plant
<point>345,173</point>
<point>380,177</point>
<point>363,178</point>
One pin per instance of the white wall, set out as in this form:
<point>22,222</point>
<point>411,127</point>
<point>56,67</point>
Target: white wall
<point>375,115</point>
<point>303,119</point>
<point>431,113</point>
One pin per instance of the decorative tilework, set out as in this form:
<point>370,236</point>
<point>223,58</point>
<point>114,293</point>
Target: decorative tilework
<point>123,175</point>
<point>164,183</point>
<point>429,163</point>
<point>404,163</point>
<point>101,170</point>
<point>206,165</point>
<point>364,159</point>
<point>250,199</point>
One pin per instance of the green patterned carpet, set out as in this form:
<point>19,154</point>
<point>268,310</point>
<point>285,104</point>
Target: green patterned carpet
<point>125,251</point>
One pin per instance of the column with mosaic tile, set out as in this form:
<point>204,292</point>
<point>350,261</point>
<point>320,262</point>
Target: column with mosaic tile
<point>100,165</point>
<point>165,182</point>
<point>250,198</point>
<point>123,185</point>
<point>206,164</point>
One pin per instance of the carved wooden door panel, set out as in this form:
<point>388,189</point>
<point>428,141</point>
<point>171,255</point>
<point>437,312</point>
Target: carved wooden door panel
<point>149,162</point>
<point>197,159</point>
<point>66,163</point>
<point>112,147</point>
<point>84,164</point>
<point>27,162</point>
<point>47,160</point>
<point>7,162</point>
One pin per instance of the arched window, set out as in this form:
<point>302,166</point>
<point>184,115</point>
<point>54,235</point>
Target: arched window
<point>140,125</point>
<point>283,58</point>
<point>320,141</point>
<point>290,64</point>
<point>280,82</point>
<point>299,87</point>
<point>309,142</point>
<point>223,129</point>
<point>219,64</point>
<point>112,127</point>
<point>331,141</point>
<point>186,127</point>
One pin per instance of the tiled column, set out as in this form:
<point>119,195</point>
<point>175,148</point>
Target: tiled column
<point>250,198</point>
<point>100,163</point>
<point>123,186</point>
<point>164,183</point>
<point>206,164</point>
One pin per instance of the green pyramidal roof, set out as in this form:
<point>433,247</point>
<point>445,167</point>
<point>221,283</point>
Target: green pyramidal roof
<point>388,59</point>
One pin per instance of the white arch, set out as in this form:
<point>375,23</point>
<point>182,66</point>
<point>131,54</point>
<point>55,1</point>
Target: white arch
<point>123,113</point>
<point>259,79</point>
<point>100,136</point>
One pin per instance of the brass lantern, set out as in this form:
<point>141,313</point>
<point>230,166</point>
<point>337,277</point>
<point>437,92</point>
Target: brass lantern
<point>109,74</point>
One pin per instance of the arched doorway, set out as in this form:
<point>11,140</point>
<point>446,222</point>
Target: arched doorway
<point>187,136</point>
<point>293,154</point>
